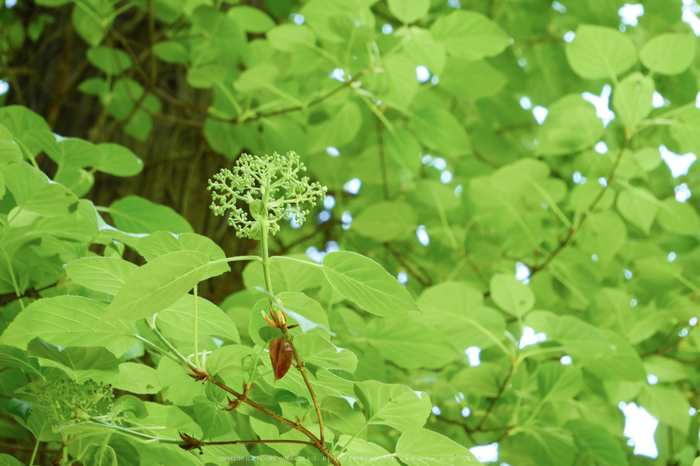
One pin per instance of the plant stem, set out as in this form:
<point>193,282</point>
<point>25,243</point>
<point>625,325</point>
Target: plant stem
<point>280,318</point>
<point>244,399</point>
<point>152,324</point>
<point>157,348</point>
<point>196,346</point>
<point>36,449</point>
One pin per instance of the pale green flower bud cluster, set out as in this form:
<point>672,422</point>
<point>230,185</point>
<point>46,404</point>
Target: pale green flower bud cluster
<point>272,188</point>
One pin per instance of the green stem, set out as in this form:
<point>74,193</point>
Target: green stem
<point>196,346</point>
<point>36,449</point>
<point>157,348</point>
<point>152,324</point>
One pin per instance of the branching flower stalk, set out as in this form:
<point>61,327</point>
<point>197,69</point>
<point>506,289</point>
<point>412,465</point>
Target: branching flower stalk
<point>273,189</point>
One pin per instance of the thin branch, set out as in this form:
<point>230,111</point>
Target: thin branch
<point>577,226</point>
<point>382,159</point>
<point>30,293</point>
<point>425,282</point>
<point>243,398</point>
<point>499,394</point>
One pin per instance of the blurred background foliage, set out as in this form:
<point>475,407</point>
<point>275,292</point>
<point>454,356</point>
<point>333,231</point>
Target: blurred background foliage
<point>470,147</point>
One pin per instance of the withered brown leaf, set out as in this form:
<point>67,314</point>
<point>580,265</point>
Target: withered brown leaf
<point>281,357</point>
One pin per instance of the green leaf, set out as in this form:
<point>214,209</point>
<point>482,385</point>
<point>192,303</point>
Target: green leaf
<point>158,285</point>
<point>251,19</point>
<point>100,455</point>
<point>472,80</point>
<point>135,214</point>
<point>636,206</point>
<point>603,234</point>
<point>511,295</point>
<point>408,11</point>
<point>69,321</point>
<point>94,86</point>
<point>286,275</point>
<point>28,129</point>
<point>306,312</point>
<point>668,53</point>
<point>79,364</point>
<point>14,357</point>
<point>571,125</point>
<point>401,74</point>
<point>393,405</point>
<point>363,453</point>
<point>110,60</point>
<point>409,344</point>
<point>137,378</point>
<point>8,460</point>
<point>213,419</point>
<point>162,242</point>
<point>439,129</point>
<point>178,387</point>
<point>559,382</point>
<point>89,21</point>
<point>386,221</point>
<point>596,443</point>
<point>170,51</point>
<point>118,160</point>
<point>257,78</point>
<point>176,320</point>
<point>290,38</point>
<point>469,35</point>
<point>668,405</point>
<point>686,130</point>
<point>314,349</point>
<point>34,193</point>
<point>367,284</point>
<point>455,310</point>
<point>230,361</point>
<point>632,99</point>
<point>423,447</point>
<point>680,218</point>
<point>132,404</point>
<point>9,149</point>
<point>106,274</point>
<point>600,52</point>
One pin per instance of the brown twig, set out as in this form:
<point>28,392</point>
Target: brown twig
<point>295,425</point>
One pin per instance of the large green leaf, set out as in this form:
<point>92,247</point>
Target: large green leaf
<point>177,320</point>
<point>469,35</point>
<point>409,344</point>
<point>600,52</point>
<point>680,218</point>
<point>409,11</point>
<point>135,214</point>
<point>367,284</point>
<point>162,242</point>
<point>386,221</point>
<point>668,53</point>
<point>393,405</point>
<point>511,295</point>
<point>315,349</point>
<point>686,130</point>
<point>158,285</point>
<point>9,149</point>
<point>106,274</point>
<point>571,125</point>
<point>70,321</point>
<point>423,447</point>
<point>34,193</point>
<point>633,98</point>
